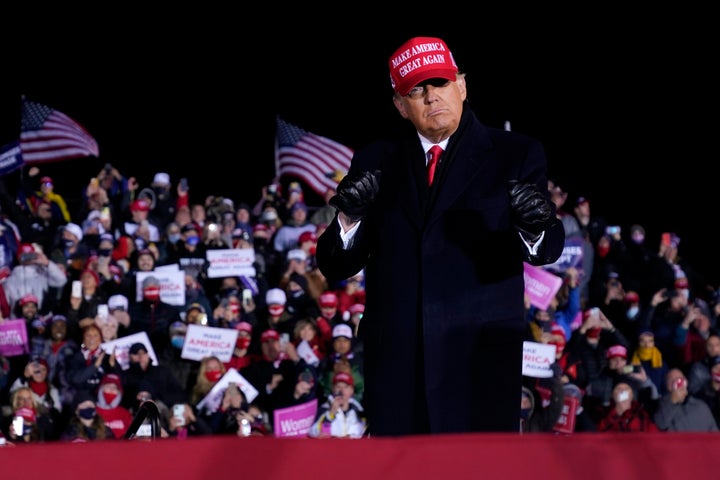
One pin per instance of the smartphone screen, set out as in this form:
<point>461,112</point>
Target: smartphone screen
<point>179,413</point>
<point>18,424</point>
<point>246,295</point>
<point>76,289</point>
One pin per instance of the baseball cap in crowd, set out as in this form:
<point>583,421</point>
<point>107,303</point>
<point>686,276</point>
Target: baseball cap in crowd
<point>118,302</point>
<point>298,206</point>
<point>307,237</point>
<point>140,205</point>
<point>616,351</point>
<point>275,296</point>
<point>328,299</point>
<point>342,330</point>
<point>420,59</point>
<point>244,327</point>
<point>45,180</point>
<point>112,378</point>
<point>75,229</point>
<point>297,254</point>
<point>196,306</point>
<point>161,178</point>
<point>137,347</point>
<point>269,334</point>
<point>343,377</point>
<point>28,298</point>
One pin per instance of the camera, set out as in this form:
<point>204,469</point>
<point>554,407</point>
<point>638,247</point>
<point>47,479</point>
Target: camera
<point>28,257</point>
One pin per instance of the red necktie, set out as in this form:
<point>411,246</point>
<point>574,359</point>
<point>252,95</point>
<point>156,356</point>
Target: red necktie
<point>435,152</point>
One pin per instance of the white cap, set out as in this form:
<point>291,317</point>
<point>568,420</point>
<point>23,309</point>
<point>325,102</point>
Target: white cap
<point>75,229</point>
<point>118,301</point>
<point>342,330</point>
<point>297,254</point>
<point>162,178</point>
<point>275,296</point>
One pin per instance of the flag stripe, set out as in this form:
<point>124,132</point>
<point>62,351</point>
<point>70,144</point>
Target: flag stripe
<point>49,135</point>
<point>317,160</point>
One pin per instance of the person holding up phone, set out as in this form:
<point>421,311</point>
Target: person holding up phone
<point>599,394</point>
<point>680,412</point>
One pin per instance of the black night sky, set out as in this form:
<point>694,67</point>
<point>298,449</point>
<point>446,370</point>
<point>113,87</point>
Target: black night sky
<point>622,101</point>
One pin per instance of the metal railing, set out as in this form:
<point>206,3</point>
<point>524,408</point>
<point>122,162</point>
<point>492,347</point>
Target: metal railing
<point>148,409</point>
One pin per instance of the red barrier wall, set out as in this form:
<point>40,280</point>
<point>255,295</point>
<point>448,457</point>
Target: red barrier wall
<point>487,456</point>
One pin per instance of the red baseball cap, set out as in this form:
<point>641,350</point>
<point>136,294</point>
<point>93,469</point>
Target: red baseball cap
<point>420,59</point>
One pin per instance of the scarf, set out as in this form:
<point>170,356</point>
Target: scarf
<point>40,388</point>
<point>644,354</point>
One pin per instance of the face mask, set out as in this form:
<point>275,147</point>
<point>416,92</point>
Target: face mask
<point>173,237</point>
<point>622,396</point>
<point>177,342</point>
<point>213,376</point>
<point>152,294</point>
<point>716,377</point>
<point>104,252</point>
<point>69,243</point>
<point>234,308</point>
<point>525,413</point>
<point>603,251</point>
<point>296,293</point>
<point>276,310</point>
<point>632,312</point>
<point>109,397</point>
<point>242,342</point>
<point>192,241</point>
<point>87,413</point>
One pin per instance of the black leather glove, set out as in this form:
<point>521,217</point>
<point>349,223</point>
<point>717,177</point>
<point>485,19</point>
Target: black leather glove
<point>356,193</point>
<point>532,210</point>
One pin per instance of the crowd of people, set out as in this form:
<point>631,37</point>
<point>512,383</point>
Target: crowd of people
<point>635,328</point>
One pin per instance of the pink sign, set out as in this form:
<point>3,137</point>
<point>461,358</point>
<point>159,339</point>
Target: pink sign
<point>540,286</point>
<point>295,421</point>
<point>13,338</point>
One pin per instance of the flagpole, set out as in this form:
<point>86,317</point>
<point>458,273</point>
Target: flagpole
<point>277,152</point>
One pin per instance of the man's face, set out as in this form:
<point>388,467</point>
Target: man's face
<point>29,310</point>
<point>141,358</point>
<point>436,112</point>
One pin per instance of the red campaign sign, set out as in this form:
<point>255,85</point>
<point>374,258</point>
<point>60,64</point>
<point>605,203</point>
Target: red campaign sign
<point>566,421</point>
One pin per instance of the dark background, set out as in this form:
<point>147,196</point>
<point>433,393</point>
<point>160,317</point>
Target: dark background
<point>625,102</point>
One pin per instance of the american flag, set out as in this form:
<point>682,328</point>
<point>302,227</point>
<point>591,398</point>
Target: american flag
<point>318,161</point>
<point>47,135</point>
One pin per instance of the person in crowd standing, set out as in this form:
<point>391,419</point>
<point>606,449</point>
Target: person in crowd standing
<point>443,252</point>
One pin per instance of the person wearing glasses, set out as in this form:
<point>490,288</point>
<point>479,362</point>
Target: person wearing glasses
<point>442,250</point>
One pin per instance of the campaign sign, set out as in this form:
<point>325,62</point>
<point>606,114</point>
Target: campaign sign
<point>537,359</point>
<point>202,341</point>
<point>121,347</point>
<point>13,338</point>
<point>295,421</point>
<point>230,262</point>
<point>540,286</point>
<point>212,401</point>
